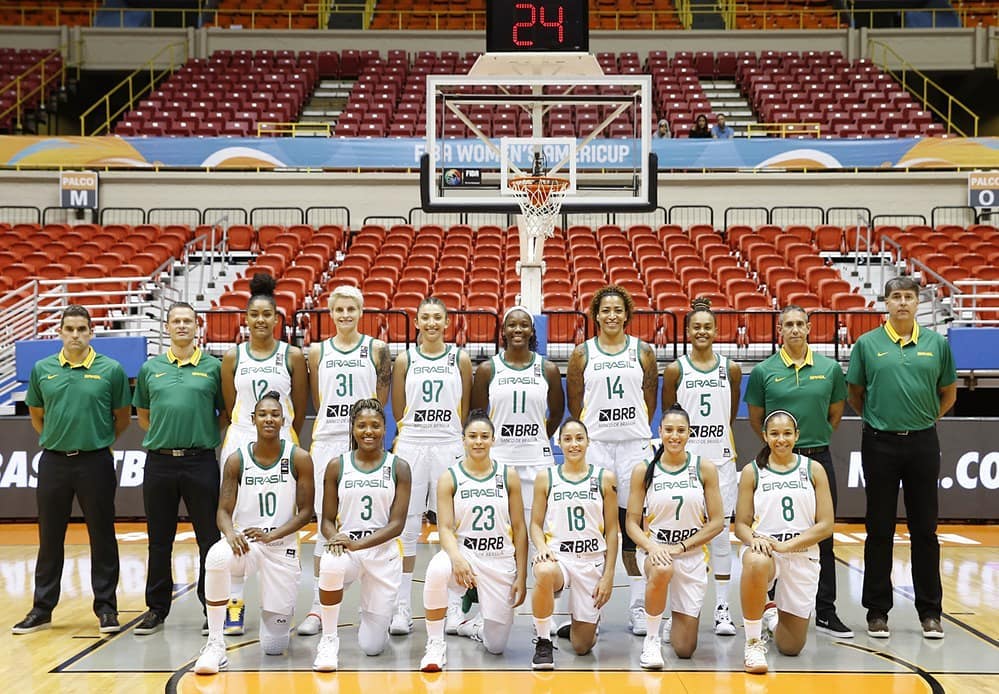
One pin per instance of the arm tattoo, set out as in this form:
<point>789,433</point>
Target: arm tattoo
<point>384,367</point>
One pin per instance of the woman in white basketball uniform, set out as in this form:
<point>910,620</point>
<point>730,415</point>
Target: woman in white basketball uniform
<point>266,498</point>
<point>707,387</point>
<point>431,384</point>
<point>574,525</point>
<point>785,509</point>
<point>480,521</point>
<point>611,385</point>
<point>674,509</point>
<point>364,512</point>
<point>261,364</point>
<point>522,391</point>
<point>342,370</point>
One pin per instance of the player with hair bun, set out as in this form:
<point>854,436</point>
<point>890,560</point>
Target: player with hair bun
<point>261,364</point>
<point>480,521</point>
<point>707,386</point>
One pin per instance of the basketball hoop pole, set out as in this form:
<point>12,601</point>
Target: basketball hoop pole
<point>530,267</point>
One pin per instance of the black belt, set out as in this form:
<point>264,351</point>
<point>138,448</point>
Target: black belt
<point>181,452</point>
<point>811,451</point>
<point>72,454</point>
<point>882,432</point>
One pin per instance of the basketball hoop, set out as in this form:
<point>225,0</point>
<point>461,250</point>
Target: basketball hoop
<point>540,199</point>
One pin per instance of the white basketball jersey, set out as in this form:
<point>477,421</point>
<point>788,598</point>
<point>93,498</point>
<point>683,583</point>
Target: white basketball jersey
<point>482,512</point>
<point>255,377</point>
<point>707,398</point>
<point>784,502</point>
<point>574,519</point>
<point>365,497</point>
<point>613,400</point>
<point>674,503</point>
<point>518,407</point>
<point>344,378</point>
<point>267,495</point>
<point>433,397</point>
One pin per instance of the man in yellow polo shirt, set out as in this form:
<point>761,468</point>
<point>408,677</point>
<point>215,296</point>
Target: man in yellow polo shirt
<point>902,379</point>
<point>812,388</point>
<point>80,403</point>
<point>178,399</point>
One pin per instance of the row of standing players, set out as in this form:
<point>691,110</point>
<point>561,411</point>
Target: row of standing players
<point>611,383</point>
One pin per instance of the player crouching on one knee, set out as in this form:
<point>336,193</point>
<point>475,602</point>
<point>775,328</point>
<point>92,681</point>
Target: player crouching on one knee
<point>365,499</point>
<point>574,525</point>
<point>480,519</point>
<point>674,510</point>
<point>266,498</point>
<point>784,511</point>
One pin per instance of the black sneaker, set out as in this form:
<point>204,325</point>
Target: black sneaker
<point>877,626</point>
<point>109,623</point>
<point>544,656</point>
<point>35,621</point>
<point>832,625</point>
<point>150,624</point>
<point>564,630</point>
<point>204,627</point>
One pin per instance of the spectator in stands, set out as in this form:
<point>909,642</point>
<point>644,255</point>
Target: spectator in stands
<point>662,132</point>
<point>80,403</point>
<point>901,379</point>
<point>720,130</point>
<point>812,388</point>
<point>178,400</point>
<point>700,129</point>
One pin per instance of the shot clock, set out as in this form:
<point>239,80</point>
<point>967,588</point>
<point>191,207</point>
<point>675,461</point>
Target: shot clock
<point>526,26</point>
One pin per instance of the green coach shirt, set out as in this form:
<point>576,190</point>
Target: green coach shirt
<point>79,400</point>
<point>806,392</point>
<point>902,379</point>
<point>183,399</point>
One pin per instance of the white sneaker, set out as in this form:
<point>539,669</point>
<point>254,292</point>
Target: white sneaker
<point>637,622</point>
<point>327,654</point>
<point>311,625</point>
<point>723,621</point>
<point>212,658</point>
<point>769,620</point>
<point>402,621</point>
<point>652,653</point>
<point>666,629</point>
<point>471,628</point>
<point>453,618</point>
<point>435,657</point>
<point>756,657</point>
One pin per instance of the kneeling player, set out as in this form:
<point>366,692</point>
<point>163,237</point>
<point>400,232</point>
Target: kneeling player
<point>364,511</point>
<point>677,493</point>
<point>574,525</point>
<point>266,498</point>
<point>479,511</point>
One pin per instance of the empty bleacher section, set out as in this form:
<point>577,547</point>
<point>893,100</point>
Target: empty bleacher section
<point>244,93</point>
<point>28,78</point>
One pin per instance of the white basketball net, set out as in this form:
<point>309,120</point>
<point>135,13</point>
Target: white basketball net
<point>540,199</point>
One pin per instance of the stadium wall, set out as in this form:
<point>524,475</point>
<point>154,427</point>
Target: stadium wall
<point>969,474</point>
<point>118,49</point>
<point>394,194</point>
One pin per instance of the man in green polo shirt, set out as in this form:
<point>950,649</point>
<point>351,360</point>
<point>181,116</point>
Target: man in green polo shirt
<point>80,403</point>
<point>178,399</point>
<point>812,388</point>
<point>902,379</point>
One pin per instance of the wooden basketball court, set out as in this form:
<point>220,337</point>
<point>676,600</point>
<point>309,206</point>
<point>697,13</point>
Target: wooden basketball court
<point>73,657</point>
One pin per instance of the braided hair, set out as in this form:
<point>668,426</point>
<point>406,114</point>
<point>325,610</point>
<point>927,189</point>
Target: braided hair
<point>373,404</point>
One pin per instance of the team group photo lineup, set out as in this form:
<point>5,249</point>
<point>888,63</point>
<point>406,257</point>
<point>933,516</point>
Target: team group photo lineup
<point>534,480</point>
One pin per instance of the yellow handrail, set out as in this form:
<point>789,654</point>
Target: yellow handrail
<point>294,129</point>
<point>136,90</point>
<point>783,130</point>
<point>21,97</point>
<point>877,49</point>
